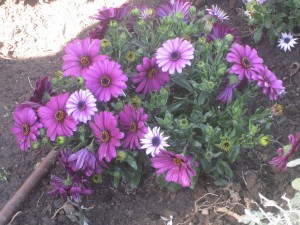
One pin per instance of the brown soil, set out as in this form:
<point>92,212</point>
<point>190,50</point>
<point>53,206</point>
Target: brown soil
<point>21,63</point>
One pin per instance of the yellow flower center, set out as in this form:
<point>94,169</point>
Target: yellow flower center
<point>152,73</point>
<point>85,61</point>
<point>246,62</point>
<point>59,115</point>
<point>104,136</point>
<point>25,128</point>
<point>105,81</point>
<point>177,161</point>
<point>133,127</point>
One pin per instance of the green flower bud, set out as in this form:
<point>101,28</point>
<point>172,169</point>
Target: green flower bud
<point>184,123</point>
<point>179,16</point>
<point>209,129</point>
<point>121,156</point>
<point>209,155</point>
<point>104,42</point>
<point>136,102</point>
<point>97,178</point>
<point>201,13</point>
<point>113,24</point>
<point>35,145</point>
<point>218,43</point>
<point>208,27</point>
<point>60,140</point>
<point>117,174</point>
<point>58,74</point>
<point>169,20</point>
<point>192,10</point>
<point>221,70</point>
<point>135,12</point>
<point>264,140</point>
<point>228,38</point>
<point>171,34</point>
<point>122,37</point>
<point>141,23</point>
<point>202,40</point>
<point>201,65</point>
<point>80,81</point>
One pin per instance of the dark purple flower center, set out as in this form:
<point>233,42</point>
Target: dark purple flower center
<point>155,141</point>
<point>104,136</point>
<point>85,61</point>
<point>175,56</point>
<point>246,62</point>
<point>133,127</point>
<point>81,105</point>
<point>286,40</point>
<point>105,81</point>
<point>25,128</point>
<point>152,72</point>
<point>177,161</point>
<point>60,115</point>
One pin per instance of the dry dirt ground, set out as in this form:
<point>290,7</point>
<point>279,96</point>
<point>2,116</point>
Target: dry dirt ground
<point>32,37</point>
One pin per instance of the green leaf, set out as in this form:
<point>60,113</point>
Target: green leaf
<point>258,35</point>
<point>221,182</point>
<point>131,161</point>
<point>182,82</point>
<point>296,184</point>
<point>173,186</point>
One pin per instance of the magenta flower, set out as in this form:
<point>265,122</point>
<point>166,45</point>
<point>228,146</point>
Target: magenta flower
<point>230,84</point>
<point>99,32</point>
<point>108,14</point>
<point>286,153</point>
<point>80,55</point>
<point>219,31</point>
<point>178,168</point>
<point>55,118</point>
<point>146,13</point>
<point>105,80</point>
<point>43,91</point>
<point>81,105</point>
<point>107,133</point>
<point>73,187</point>
<point>150,77</point>
<point>26,127</point>
<point>245,61</point>
<point>218,13</point>
<point>266,79</point>
<point>179,6</point>
<point>133,122</point>
<point>85,161</point>
<point>174,55</point>
<point>63,159</point>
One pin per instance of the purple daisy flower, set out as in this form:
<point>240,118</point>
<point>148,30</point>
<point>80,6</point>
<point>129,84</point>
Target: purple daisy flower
<point>286,153</point>
<point>105,80</point>
<point>80,55</point>
<point>81,105</point>
<point>218,13</point>
<point>26,127</point>
<point>179,6</point>
<point>133,122</point>
<point>72,187</point>
<point>146,13</point>
<point>99,32</point>
<point>150,77</point>
<point>266,79</point>
<point>43,91</point>
<point>177,167</point>
<point>86,161</point>
<point>55,118</point>
<point>174,55</point>
<point>245,61</point>
<point>108,14</point>
<point>63,158</point>
<point>230,84</point>
<point>107,133</point>
<point>219,31</point>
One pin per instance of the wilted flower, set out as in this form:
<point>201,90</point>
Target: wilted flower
<point>63,158</point>
<point>99,32</point>
<point>85,161</point>
<point>230,84</point>
<point>72,187</point>
<point>286,42</point>
<point>105,80</point>
<point>245,61</point>
<point>43,91</point>
<point>107,133</point>
<point>150,76</point>
<point>81,105</point>
<point>219,31</point>
<point>286,153</point>
<point>80,55</point>
<point>174,55</point>
<point>266,79</point>
<point>178,168</point>
<point>55,118</point>
<point>154,141</point>
<point>26,127</point>
<point>178,6</point>
<point>133,122</point>
<point>218,13</point>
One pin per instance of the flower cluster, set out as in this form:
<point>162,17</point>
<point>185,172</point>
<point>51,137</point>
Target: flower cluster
<point>141,90</point>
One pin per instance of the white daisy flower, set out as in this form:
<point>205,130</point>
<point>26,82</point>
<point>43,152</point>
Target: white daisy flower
<point>286,41</point>
<point>153,141</point>
<point>218,13</point>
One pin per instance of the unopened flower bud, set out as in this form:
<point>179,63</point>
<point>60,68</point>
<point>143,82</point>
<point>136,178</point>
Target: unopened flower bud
<point>81,129</point>
<point>201,65</point>
<point>141,23</point>
<point>218,43</point>
<point>135,12</point>
<point>122,36</point>
<point>221,70</point>
<point>80,81</point>
<point>117,174</point>
<point>121,156</point>
<point>228,38</point>
<point>209,129</point>
<point>60,140</point>
<point>192,10</point>
<point>202,40</point>
<point>35,145</point>
<point>97,178</point>
<point>179,16</point>
<point>113,24</point>
<point>209,155</point>
<point>42,132</point>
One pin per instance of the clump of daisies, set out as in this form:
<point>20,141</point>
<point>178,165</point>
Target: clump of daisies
<point>150,87</point>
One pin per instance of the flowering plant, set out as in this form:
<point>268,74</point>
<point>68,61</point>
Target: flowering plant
<point>276,16</point>
<point>170,82</point>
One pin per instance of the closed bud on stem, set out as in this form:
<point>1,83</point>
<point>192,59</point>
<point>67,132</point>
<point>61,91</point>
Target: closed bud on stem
<point>179,16</point>
<point>228,38</point>
<point>81,129</point>
<point>113,24</point>
<point>209,155</point>
<point>97,178</point>
<point>121,156</point>
<point>192,10</point>
<point>60,140</point>
<point>80,81</point>
<point>35,145</point>
<point>141,23</point>
<point>135,12</point>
